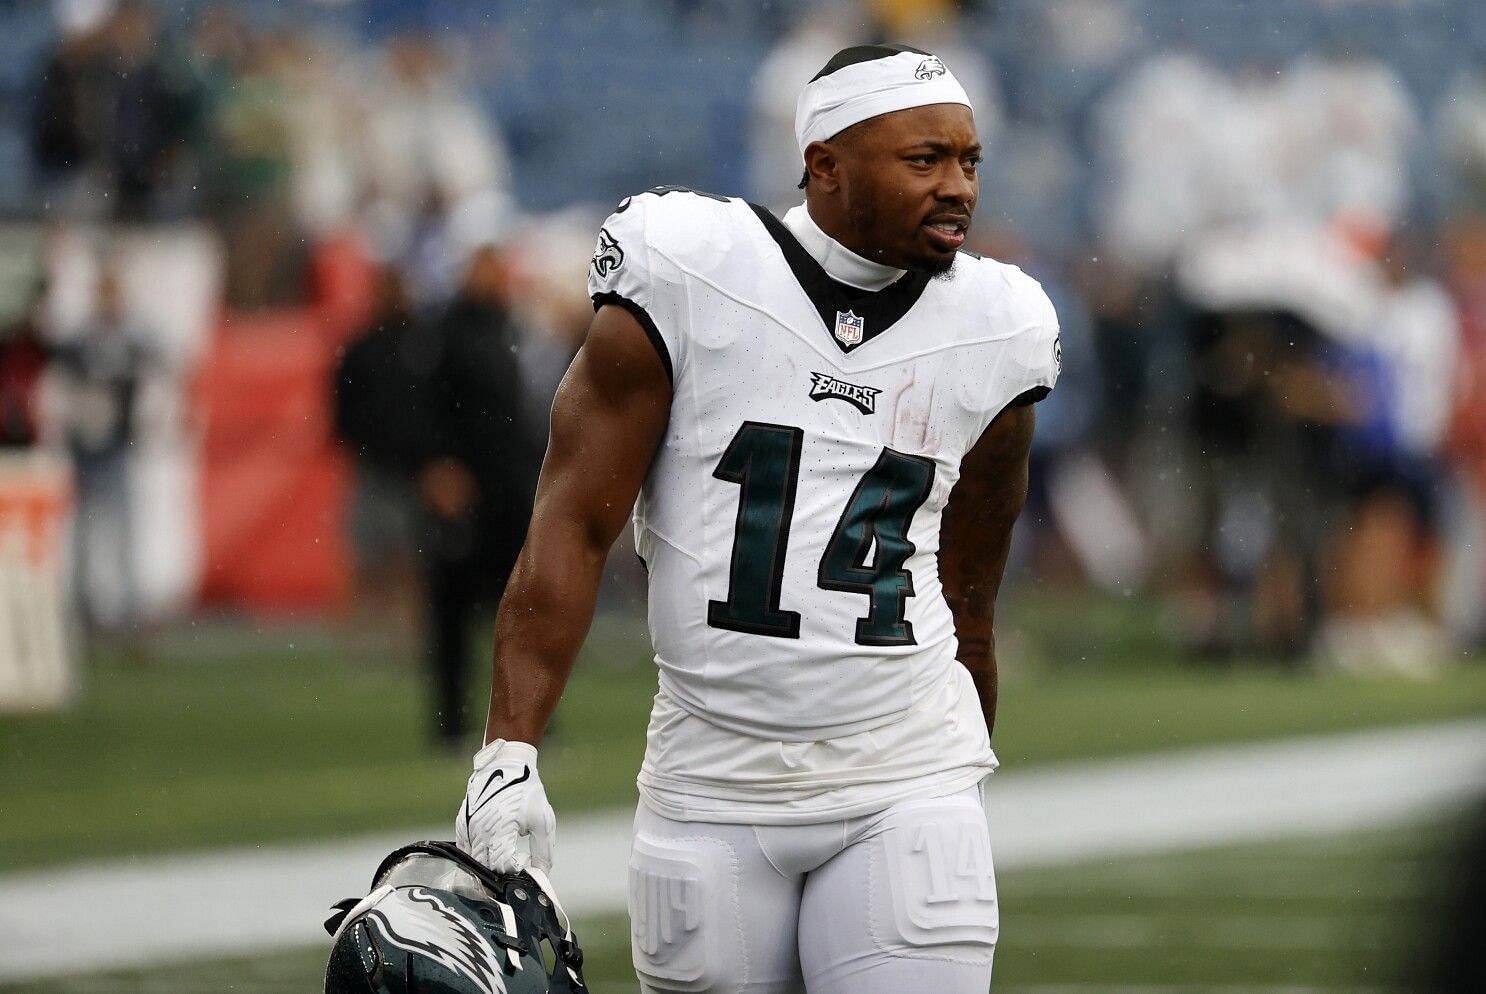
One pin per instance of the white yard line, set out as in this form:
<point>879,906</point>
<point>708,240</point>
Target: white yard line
<point>207,905</point>
<point>1102,988</point>
<point>1138,930</point>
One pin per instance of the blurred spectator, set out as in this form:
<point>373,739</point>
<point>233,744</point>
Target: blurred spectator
<point>381,388</point>
<point>1076,524</point>
<point>248,192</point>
<point>1419,335</point>
<point>1157,130</point>
<point>551,292</point>
<point>1246,177</point>
<point>1124,310</point>
<point>1350,126</point>
<point>1465,576</point>
<point>775,165</point>
<point>1189,148</point>
<point>67,117</point>
<point>147,111</point>
<point>428,149</point>
<point>109,128</point>
<point>325,120</point>
<point>1283,393</point>
<point>1261,402</point>
<point>477,480</point>
<point>22,361</point>
<point>100,376</point>
<point>1321,387</point>
<point>1381,592</point>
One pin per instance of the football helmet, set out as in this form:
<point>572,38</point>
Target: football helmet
<point>437,922</point>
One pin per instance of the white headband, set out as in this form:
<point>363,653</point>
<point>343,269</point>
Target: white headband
<point>831,104</point>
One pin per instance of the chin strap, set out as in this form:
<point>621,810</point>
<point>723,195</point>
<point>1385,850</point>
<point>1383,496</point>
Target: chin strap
<point>567,951</point>
<point>546,884</point>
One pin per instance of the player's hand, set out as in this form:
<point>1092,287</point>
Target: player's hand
<point>504,802</point>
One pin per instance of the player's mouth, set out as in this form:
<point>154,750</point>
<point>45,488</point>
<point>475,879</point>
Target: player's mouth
<point>946,231</point>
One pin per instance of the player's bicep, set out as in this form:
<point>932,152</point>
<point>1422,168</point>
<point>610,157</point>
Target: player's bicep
<point>989,496</point>
<point>993,474</point>
<point>608,420</point>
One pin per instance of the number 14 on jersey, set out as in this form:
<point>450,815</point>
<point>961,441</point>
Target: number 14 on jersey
<point>763,460</point>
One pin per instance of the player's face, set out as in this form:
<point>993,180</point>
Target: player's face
<point>909,184</point>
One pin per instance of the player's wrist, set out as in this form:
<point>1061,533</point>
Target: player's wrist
<point>506,751</point>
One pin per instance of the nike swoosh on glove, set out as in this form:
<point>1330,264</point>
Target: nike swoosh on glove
<point>504,802</point>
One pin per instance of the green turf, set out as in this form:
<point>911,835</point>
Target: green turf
<point>271,745</point>
<point>262,745</point>
<point>1058,716</point>
<point>1332,914</point>
<point>1335,914</point>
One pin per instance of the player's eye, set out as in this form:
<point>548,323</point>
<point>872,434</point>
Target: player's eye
<point>926,158</point>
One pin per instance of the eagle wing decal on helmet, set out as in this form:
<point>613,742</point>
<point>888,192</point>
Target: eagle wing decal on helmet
<point>444,937</point>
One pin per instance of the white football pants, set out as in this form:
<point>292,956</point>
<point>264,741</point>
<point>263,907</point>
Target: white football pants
<point>902,900</point>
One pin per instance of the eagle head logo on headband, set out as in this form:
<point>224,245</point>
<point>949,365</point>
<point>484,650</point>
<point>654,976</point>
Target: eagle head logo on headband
<point>866,81</point>
<point>929,68</point>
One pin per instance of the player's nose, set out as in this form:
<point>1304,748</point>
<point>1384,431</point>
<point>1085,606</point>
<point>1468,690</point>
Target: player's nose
<point>956,185</point>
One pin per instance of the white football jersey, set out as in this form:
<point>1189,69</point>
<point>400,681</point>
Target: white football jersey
<point>790,521</point>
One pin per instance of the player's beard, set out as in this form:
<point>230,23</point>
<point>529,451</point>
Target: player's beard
<point>941,269</point>
<point>865,217</point>
<point>948,272</point>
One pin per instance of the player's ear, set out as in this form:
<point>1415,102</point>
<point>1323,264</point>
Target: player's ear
<point>822,167</point>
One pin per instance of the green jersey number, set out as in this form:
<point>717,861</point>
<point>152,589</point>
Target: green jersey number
<point>764,461</point>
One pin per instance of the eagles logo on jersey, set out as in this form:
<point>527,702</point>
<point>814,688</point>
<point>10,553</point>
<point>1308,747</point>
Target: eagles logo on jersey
<point>608,256</point>
<point>824,386</point>
<point>792,544</point>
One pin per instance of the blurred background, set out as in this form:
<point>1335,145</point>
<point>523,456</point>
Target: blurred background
<point>286,288</point>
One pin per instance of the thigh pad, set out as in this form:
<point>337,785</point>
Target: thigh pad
<point>940,894</point>
<point>683,897</point>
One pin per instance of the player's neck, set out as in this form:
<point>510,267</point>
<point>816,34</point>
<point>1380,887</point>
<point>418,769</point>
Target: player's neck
<point>840,262</point>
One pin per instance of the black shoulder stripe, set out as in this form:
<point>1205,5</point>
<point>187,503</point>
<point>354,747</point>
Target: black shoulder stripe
<point>661,191</point>
<point>1031,396</point>
<point>858,54</point>
<point>642,316</point>
<point>1024,399</point>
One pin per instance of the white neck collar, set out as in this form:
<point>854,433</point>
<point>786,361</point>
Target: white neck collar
<point>840,262</point>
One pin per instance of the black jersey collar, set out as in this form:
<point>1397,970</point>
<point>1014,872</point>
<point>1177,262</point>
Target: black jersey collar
<point>878,310</point>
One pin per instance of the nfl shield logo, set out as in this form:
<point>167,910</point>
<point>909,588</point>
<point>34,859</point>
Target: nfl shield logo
<point>848,328</point>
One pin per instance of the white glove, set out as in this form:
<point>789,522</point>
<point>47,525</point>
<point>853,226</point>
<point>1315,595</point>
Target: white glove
<point>503,802</point>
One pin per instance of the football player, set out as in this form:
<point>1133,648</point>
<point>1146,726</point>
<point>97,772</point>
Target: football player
<point>821,423</point>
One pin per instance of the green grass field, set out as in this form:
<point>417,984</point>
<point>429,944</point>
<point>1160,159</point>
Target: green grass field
<point>1346,914</point>
<point>259,741</point>
<point>272,743</point>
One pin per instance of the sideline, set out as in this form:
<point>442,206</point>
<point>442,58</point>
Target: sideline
<point>136,912</point>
